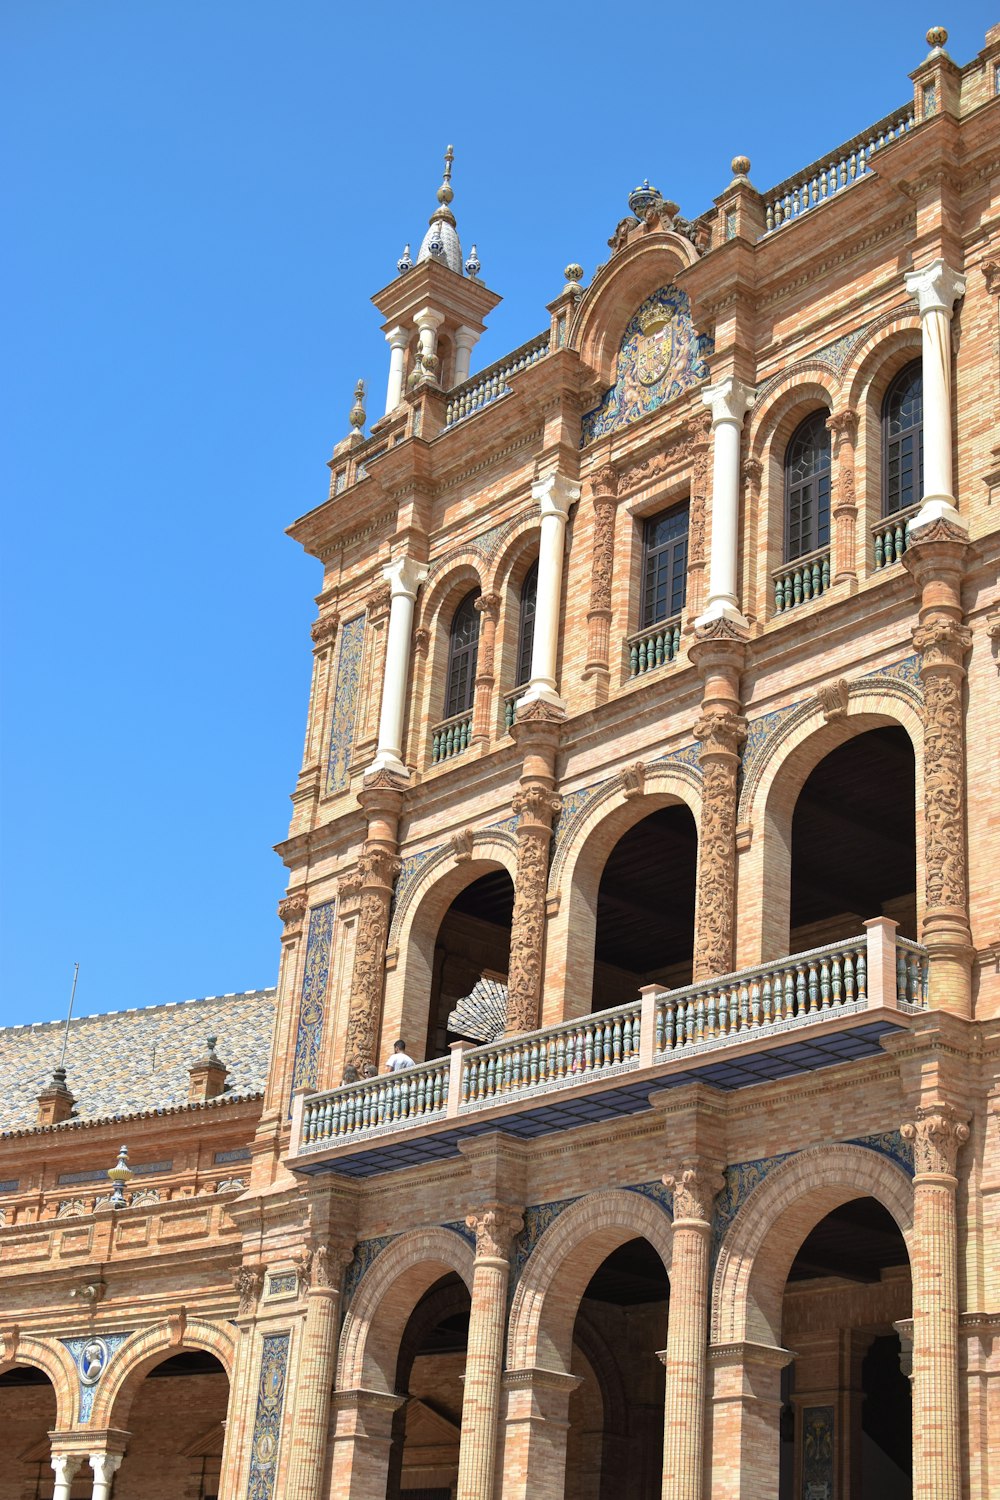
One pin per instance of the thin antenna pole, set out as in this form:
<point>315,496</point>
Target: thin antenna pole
<point>72,997</point>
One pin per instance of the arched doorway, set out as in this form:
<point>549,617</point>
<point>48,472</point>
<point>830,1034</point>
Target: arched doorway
<point>846,1415</point>
<point>645,908</point>
<point>177,1422</point>
<point>854,842</point>
<point>473,942</point>
<point>430,1371</point>
<point>616,1412</point>
<point>28,1412</point>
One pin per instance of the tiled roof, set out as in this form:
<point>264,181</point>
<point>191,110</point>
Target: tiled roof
<point>131,1062</point>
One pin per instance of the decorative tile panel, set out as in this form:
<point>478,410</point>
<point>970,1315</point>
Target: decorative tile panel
<point>284,1284</point>
<point>659,357</point>
<point>267,1421</point>
<point>312,1009</point>
<point>817,1453</point>
<point>241,1153</point>
<point>92,1355</point>
<point>365,1252</point>
<point>462,1229</point>
<point>658,1194</point>
<point>345,704</point>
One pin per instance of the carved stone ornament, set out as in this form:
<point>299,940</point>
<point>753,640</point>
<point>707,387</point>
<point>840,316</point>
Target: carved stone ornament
<point>349,887</point>
<point>324,630</point>
<point>720,629</point>
<point>489,604</point>
<point>942,642</point>
<point>602,565</point>
<point>991,272</point>
<point>832,699</point>
<point>248,1281</point>
<point>716,895</point>
<point>384,780</point>
<point>527,936</point>
<point>421,641</point>
<point>753,471</point>
<point>538,712</point>
<point>536,804</point>
<point>378,870</point>
<point>495,1228</point>
<point>720,733</point>
<point>604,481</point>
<point>944,791</point>
<point>377,602</point>
<point>844,427</point>
<point>462,841</point>
<point>292,909</point>
<point>633,779</point>
<point>933,531</point>
<point>937,1133</point>
<point>694,1188</point>
<point>379,867</point>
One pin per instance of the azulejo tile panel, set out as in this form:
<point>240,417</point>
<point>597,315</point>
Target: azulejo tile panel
<point>659,357</point>
<point>365,1252</point>
<point>267,1419</point>
<point>312,1008</point>
<point>92,1355</point>
<point>345,704</point>
<point>817,1452</point>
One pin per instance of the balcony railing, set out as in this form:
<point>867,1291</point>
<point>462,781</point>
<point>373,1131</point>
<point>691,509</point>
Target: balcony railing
<point>660,1027</point>
<point>492,383</point>
<point>510,702</point>
<point>890,536</point>
<point>819,181</point>
<point>451,737</point>
<point>650,648</point>
<point>799,581</point>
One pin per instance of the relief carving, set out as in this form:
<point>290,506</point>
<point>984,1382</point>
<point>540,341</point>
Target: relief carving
<point>461,842</point>
<point>495,1227</point>
<point>937,1134</point>
<point>991,273</point>
<point>378,869</point>
<point>248,1281</point>
<point>633,779</point>
<point>527,937</point>
<point>832,699</point>
<point>942,644</point>
<point>324,630</point>
<point>292,911</point>
<point>694,1187</point>
<point>721,735</point>
<point>602,567</point>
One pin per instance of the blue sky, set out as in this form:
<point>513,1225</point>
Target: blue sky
<point>202,198</point>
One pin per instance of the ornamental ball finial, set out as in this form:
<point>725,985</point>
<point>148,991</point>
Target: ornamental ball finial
<point>936,37</point>
<point>740,166</point>
<point>357,412</point>
<point>472,266</point>
<point>574,275</point>
<point>405,261</point>
<point>644,198</point>
<point>119,1176</point>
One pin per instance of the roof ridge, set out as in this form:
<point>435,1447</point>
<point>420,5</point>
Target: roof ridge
<point>132,1010</point>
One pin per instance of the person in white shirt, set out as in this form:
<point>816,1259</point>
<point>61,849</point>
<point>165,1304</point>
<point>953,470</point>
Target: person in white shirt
<point>400,1058</point>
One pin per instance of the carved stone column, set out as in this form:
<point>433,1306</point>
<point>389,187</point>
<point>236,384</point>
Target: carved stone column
<point>324,1268</point>
<point>604,496</point>
<point>719,654</point>
<point>488,606</point>
<point>936,288</point>
<point>843,427</point>
<point>694,1187</point>
<point>64,1466</point>
<point>701,451</point>
<point>378,866</point>
<point>937,1132</point>
<point>536,731</point>
<point>936,557</point>
<point>495,1227</point>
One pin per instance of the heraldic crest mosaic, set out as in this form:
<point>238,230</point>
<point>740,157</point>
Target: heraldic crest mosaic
<point>660,356</point>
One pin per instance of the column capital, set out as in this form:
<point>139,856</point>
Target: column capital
<point>495,1226</point>
<point>105,1465</point>
<point>843,426</point>
<point>465,337</point>
<point>935,288</point>
<point>555,494</point>
<point>937,1131</point>
<point>489,605</point>
<point>694,1184</point>
<point>404,575</point>
<point>64,1466</point>
<point>729,400</point>
<point>428,317</point>
<point>398,337</point>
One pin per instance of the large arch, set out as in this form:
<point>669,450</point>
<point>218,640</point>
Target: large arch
<point>55,1361</point>
<point>763,1239</point>
<point>420,909</point>
<point>775,774</point>
<point>617,290</point>
<point>131,1363</point>
<point>559,1269</point>
<point>581,854</point>
<point>387,1294</point>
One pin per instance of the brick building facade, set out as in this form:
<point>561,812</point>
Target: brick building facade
<point>651,793</point>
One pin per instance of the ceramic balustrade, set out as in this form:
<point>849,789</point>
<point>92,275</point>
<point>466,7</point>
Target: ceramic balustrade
<point>829,175</point>
<point>575,1050</point>
<point>911,974</point>
<point>510,702</point>
<point>392,1100</point>
<point>890,537</point>
<point>492,383</point>
<point>651,647</point>
<point>451,737</point>
<point>799,581</point>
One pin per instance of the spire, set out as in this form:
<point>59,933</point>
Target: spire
<point>441,240</point>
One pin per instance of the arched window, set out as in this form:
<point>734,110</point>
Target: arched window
<point>903,440</point>
<point>664,565</point>
<point>807,487</point>
<point>463,648</point>
<point>526,625</point>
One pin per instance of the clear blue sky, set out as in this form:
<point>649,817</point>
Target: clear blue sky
<point>201,199</point>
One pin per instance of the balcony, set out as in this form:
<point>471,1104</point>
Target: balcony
<point>797,582</point>
<point>791,1016</point>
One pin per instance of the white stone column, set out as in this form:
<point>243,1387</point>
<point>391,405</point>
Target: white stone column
<point>397,338</point>
<point>936,289</point>
<point>428,322</point>
<point>728,400</point>
<point>105,1466</point>
<point>404,577</point>
<point>64,1466</point>
<point>555,495</point>
<point>465,341</point>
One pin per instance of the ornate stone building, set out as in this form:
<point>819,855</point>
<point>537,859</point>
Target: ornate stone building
<point>651,793</point>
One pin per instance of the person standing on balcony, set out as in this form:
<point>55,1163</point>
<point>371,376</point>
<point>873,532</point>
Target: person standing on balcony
<point>400,1058</point>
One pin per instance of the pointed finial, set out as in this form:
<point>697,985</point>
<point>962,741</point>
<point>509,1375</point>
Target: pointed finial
<point>119,1175</point>
<point>357,414</point>
<point>404,263</point>
<point>472,266</point>
<point>445,193</point>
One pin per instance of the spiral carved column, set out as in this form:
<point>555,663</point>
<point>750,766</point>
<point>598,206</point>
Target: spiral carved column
<point>378,866</point>
<point>536,731</point>
<point>495,1227</point>
<point>937,1132</point>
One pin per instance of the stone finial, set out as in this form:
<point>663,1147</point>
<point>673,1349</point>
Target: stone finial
<point>55,1102</point>
<point>358,415</point>
<point>574,275</point>
<point>936,38</point>
<point>472,266</point>
<point>740,166</point>
<point>405,261</point>
<point>119,1176</point>
<point>207,1077</point>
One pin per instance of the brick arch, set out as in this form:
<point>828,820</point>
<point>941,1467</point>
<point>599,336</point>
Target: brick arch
<point>386,1296</point>
<point>775,773</point>
<point>617,289</point>
<point>782,403</point>
<point>765,1236</point>
<point>561,1265</point>
<point>55,1361</point>
<point>518,550</point>
<point>130,1364</point>
<point>894,335</point>
<point>585,842</point>
<point>417,919</point>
